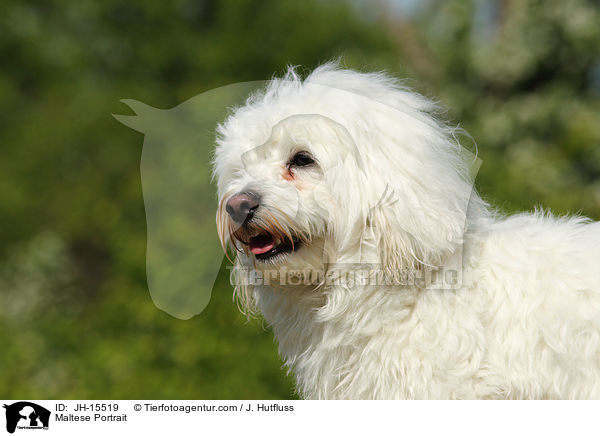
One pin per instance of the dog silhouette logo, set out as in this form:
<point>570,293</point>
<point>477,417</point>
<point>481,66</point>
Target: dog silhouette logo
<point>179,195</point>
<point>26,415</point>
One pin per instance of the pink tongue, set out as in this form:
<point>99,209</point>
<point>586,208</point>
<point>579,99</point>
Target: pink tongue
<point>261,244</point>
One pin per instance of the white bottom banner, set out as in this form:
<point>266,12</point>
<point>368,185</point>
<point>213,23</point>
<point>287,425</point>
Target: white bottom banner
<point>156,417</point>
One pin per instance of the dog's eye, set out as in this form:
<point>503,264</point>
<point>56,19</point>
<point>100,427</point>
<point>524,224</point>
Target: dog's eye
<point>301,159</point>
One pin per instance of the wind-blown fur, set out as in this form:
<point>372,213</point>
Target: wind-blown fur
<point>391,191</point>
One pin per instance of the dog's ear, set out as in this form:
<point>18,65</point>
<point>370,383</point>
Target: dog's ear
<point>410,236</point>
<point>424,197</point>
<point>411,200</point>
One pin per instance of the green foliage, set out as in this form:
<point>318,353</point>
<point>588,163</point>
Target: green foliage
<point>76,318</point>
<point>525,82</point>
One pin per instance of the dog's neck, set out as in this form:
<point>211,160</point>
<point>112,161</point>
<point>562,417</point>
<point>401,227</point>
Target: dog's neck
<point>323,331</point>
<point>318,330</point>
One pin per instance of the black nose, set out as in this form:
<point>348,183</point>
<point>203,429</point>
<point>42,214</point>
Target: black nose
<point>242,206</point>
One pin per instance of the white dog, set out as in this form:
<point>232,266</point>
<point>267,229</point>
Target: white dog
<point>382,273</point>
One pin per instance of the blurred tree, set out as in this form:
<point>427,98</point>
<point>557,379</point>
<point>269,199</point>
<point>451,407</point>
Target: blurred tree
<point>523,76</point>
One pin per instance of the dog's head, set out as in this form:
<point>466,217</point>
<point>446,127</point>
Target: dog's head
<point>340,167</point>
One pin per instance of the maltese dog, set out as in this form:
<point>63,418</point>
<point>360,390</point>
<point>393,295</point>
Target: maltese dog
<point>360,239</point>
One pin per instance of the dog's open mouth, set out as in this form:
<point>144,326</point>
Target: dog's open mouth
<point>265,246</point>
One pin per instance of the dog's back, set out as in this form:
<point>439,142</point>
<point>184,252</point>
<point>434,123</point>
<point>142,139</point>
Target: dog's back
<point>538,279</point>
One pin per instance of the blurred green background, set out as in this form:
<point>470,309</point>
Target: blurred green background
<point>76,320</point>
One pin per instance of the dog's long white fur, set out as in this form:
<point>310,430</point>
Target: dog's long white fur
<point>521,321</point>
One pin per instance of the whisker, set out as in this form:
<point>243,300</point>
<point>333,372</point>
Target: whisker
<point>299,236</point>
<point>275,227</point>
<point>222,229</point>
<point>284,230</point>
